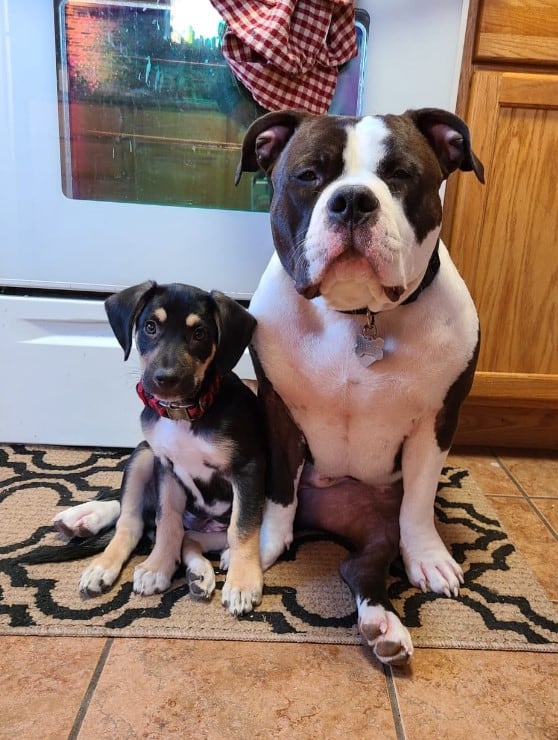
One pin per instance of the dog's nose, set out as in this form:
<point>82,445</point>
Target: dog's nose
<point>165,377</point>
<point>352,204</point>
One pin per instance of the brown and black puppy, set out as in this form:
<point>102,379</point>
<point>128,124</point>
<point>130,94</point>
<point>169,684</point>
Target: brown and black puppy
<point>202,467</point>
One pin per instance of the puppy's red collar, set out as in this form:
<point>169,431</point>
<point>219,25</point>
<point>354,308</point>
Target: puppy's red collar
<point>175,410</point>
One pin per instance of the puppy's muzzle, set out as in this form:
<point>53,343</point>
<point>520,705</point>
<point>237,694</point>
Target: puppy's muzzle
<point>353,205</point>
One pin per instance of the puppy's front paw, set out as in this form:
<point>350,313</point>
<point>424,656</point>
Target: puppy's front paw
<point>201,578</point>
<point>97,579</point>
<point>148,582</point>
<point>385,633</point>
<point>429,565</point>
<point>241,595</point>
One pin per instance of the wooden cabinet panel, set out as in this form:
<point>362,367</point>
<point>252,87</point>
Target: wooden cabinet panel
<point>504,236</point>
<point>525,30</point>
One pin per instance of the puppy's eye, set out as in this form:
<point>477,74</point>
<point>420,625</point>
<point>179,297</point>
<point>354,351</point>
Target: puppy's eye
<point>307,175</point>
<point>199,334</point>
<point>150,327</point>
<point>400,174</point>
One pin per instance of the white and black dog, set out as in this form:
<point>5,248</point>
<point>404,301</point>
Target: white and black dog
<point>366,343</point>
<point>200,475</point>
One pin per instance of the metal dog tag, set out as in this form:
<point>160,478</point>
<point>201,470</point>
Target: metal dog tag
<point>369,346</point>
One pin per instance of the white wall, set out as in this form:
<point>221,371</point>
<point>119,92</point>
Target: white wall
<point>414,53</point>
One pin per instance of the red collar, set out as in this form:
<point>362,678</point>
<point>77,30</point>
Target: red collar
<point>177,410</point>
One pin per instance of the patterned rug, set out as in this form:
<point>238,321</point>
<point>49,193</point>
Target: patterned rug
<point>501,606</point>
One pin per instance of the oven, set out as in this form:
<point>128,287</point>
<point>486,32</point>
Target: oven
<point>120,129</point>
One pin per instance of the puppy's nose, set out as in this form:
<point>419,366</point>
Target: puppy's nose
<point>352,204</point>
<point>165,377</point>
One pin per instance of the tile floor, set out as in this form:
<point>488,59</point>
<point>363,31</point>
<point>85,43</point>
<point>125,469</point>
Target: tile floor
<point>140,688</point>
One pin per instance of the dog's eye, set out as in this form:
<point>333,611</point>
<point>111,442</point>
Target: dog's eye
<point>307,175</point>
<point>199,334</point>
<point>150,327</point>
<point>400,174</point>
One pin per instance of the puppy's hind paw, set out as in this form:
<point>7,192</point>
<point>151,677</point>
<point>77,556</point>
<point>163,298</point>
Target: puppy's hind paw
<point>201,579</point>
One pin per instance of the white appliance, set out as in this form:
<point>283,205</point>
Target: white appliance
<point>116,162</point>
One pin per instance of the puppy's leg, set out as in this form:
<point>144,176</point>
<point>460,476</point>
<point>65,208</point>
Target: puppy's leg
<point>86,520</point>
<point>154,574</point>
<point>244,583</point>
<point>200,573</point>
<point>104,570</point>
<point>427,561</point>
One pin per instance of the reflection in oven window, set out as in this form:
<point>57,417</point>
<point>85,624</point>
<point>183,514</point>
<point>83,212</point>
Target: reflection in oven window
<point>149,110</point>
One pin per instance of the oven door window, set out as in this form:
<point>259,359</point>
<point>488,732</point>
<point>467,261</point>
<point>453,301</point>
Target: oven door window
<point>149,110</point>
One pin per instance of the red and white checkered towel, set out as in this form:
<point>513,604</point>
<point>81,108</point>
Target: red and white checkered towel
<point>287,52</point>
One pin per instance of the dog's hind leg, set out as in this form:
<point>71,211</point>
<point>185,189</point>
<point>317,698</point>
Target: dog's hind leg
<point>86,520</point>
<point>105,569</point>
<point>199,571</point>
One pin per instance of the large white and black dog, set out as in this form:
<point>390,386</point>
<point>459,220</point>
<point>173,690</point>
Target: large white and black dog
<point>366,343</point>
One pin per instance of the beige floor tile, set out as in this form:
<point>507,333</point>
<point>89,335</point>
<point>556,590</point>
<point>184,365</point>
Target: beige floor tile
<point>532,538</point>
<point>480,695</point>
<point>179,688</point>
<point>549,509</point>
<point>536,472</point>
<point>485,469</point>
<point>42,683</point>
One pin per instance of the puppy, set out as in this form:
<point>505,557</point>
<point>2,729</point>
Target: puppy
<point>201,469</point>
<point>366,343</point>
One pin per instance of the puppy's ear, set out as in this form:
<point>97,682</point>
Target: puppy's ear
<point>123,310</point>
<point>265,140</point>
<point>235,326</point>
<point>450,139</point>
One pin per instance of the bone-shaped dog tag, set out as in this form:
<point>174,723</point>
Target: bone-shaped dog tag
<point>369,349</point>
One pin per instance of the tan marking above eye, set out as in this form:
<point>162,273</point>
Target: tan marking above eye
<point>192,319</point>
<point>160,314</point>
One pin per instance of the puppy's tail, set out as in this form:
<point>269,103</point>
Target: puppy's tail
<point>77,548</point>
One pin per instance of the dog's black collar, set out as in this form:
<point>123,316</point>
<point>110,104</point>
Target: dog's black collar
<point>431,271</point>
<point>176,410</point>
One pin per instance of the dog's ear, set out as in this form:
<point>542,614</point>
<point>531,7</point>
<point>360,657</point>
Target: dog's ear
<point>265,140</point>
<point>235,326</point>
<point>123,310</point>
<point>450,139</point>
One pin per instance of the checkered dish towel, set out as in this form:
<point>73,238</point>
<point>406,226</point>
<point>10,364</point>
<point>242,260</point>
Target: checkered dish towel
<point>287,52</point>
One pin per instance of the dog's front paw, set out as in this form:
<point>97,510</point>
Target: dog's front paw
<point>97,579</point>
<point>385,634</point>
<point>148,582</point>
<point>85,520</point>
<point>429,565</point>
<point>201,578</point>
<point>240,596</point>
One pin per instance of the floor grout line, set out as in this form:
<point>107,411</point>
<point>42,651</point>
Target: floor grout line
<point>527,498</point>
<point>394,703</point>
<point>84,706</point>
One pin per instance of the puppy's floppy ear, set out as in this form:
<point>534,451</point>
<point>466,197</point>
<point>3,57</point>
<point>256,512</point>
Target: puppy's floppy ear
<point>450,139</point>
<point>123,310</point>
<point>265,140</point>
<point>235,326</point>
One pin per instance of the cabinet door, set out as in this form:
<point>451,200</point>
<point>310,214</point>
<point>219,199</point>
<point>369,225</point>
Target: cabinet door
<point>504,236</point>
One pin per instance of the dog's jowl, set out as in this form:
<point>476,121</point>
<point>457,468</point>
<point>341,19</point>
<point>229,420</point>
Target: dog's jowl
<point>366,343</point>
<point>200,472</point>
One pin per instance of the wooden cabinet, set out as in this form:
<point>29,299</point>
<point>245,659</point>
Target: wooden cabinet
<point>503,236</point>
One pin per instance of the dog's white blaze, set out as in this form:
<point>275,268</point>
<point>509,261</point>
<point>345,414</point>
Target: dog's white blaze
<point>365,146</point>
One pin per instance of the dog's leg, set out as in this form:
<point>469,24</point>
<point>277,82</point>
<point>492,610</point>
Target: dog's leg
<point>200,573</point>
<point>244,583</point>
<point>105,569</point>
<point>86,520</point>
<point>427,561</point>
<point>368,518</point>
<point>155,573</point>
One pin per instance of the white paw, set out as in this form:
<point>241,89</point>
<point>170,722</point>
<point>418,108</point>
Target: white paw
<point>241,598</point>
<point>148,582</point>
<point>385,634</point>
<point>430,567</point>
<point>96,579</point>
<point>201,578</point>
<point>225,559</point>
<point>276,532</point>
<point>86,519</point>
